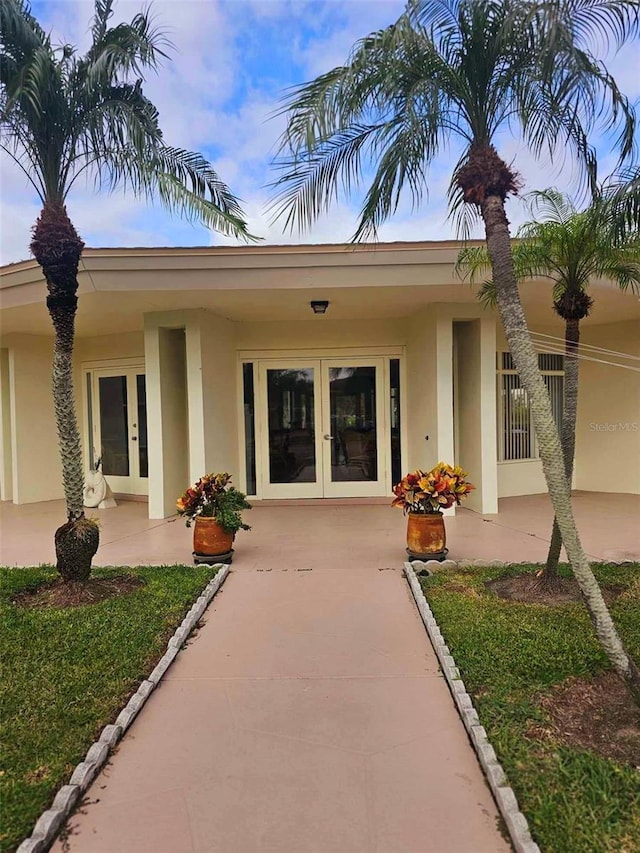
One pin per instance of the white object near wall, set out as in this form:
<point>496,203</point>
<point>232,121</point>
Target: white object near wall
<point>97,492</point>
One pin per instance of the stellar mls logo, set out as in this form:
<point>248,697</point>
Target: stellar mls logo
<point>620,426</point>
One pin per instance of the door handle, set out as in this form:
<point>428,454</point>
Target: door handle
<point>328,437</point>
<point>134,438</point>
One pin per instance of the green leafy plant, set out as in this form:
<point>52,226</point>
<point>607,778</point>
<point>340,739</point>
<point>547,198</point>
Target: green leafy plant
<point>213,497</point>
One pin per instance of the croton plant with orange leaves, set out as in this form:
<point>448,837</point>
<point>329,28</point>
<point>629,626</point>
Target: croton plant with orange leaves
<point>213,497</point>
<point>432,491</point>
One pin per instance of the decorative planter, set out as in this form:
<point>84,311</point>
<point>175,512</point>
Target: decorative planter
<point>210,539</point>
<point>426,537</point>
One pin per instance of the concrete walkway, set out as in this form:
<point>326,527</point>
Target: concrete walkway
<point>323,533</point>
<point>308,714</point>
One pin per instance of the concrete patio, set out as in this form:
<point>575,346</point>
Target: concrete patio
<point>308,713</point>
<point>331,534</point>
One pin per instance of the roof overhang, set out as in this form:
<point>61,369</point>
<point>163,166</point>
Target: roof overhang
<point>267,283</point>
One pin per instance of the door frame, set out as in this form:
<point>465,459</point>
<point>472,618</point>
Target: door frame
<point>386,353</point>
<point>358,488</point>
<point>91,372</point>
<point>285,490</point>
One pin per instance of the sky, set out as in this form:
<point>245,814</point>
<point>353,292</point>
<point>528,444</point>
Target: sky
<point>231,62</point>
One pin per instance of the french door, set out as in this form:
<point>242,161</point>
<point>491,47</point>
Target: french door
<point>118,426</point>
<point>322,428</point>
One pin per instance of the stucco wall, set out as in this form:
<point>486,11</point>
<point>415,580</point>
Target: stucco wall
<point>127,345</point>
<point>523,477</point>
<point>220,387</point>
<point>321,331</point>
<point>36,468</point>
<point>420,393</point>
<point>468,406</point>
<point>6,465</point>
<point>168,418</point>
<point>608,427</point>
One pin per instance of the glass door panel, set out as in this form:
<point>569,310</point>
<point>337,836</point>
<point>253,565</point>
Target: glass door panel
<point>290,440</point>
<point>119,424</point>
<point>143,452</point>
<point>354,445</point>
<point>352,406</point>
<point>114,425</point>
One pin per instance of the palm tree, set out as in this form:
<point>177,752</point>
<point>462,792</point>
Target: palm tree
<point>63,116</point>
<point>569,247</point>
<point>467,69</point>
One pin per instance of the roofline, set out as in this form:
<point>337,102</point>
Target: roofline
<point>244,250</point>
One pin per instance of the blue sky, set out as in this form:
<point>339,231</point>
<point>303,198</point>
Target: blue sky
<point>231,61</point>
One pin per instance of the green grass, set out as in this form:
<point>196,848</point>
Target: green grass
<point>508,653</point>
<point>66,673</point>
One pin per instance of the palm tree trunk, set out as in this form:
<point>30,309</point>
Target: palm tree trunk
<point>57,248</point>
<point>568,440</point>
<point>525,358</point>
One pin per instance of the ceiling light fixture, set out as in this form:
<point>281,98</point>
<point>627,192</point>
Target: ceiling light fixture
<point>319,306</point>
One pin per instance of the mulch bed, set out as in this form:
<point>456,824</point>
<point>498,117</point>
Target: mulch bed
<point>597,714</point>
<point>527,590</point>
<point>59,593</point>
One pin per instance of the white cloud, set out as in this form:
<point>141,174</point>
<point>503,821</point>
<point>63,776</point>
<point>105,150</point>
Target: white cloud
<point>217,95</point>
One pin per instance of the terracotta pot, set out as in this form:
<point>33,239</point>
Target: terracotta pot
<point>426,534</point>
<point>210,538</point>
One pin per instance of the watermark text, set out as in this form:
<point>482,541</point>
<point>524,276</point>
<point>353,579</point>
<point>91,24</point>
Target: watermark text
<point>615,426</point>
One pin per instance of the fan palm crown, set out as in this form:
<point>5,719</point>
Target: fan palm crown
<point>63,115</point>
<point>569,247</point>
<point>468,70</point>
<point>452,69</point>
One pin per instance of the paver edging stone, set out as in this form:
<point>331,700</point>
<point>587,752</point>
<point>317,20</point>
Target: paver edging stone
<point>503,794</point>
<point>52,819</point>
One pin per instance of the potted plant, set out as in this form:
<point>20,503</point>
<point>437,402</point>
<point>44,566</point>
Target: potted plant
<point>216,508</point>
<point>423,495</point>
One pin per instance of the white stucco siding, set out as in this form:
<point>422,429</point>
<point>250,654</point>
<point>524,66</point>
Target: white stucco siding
<point>220,388</point>
<point>521,478</point>
<point>421,392</point>
<point>608,428</point>
<point>35,457</point>
<point>320,332</point>
<point>474,415</point>
<point>6,463</point>
<point>107,347</point>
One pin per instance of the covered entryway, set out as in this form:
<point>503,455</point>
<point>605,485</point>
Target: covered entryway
<point>323,427</point>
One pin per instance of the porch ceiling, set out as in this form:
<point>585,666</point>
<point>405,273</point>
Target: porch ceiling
<point>117,287</point>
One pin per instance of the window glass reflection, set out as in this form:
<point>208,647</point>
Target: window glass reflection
<point>291,402</point>
<point>352,401</point>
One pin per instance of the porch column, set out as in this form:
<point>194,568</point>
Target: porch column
<point>445,449</point>
<point>167,414</point>
<point>475,409</point>
<point>488,416</point>
<point>421,401</point>
<point>212,387</point>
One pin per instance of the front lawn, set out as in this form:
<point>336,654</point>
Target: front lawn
<point>67,672</point>
<point>512,658</point>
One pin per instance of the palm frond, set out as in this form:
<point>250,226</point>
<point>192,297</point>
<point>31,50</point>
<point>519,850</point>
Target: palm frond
<point>453,68</point>
<point>64,115</point>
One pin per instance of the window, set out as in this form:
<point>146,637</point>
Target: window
<point>516,437</point>
<point>396,462</point>
<point>249,427</point>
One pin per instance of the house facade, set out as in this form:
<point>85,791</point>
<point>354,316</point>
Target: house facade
<point>315,372</point>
